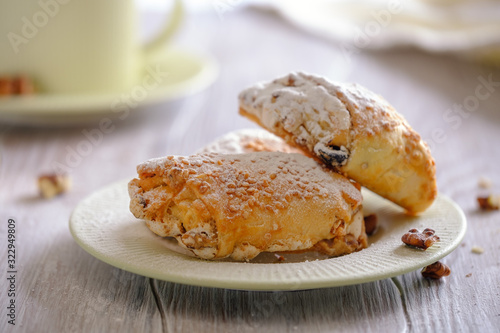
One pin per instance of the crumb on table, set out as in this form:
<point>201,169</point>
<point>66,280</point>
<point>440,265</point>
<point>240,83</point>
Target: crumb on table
<point>477,250</point>
<point>484,182</point>
<point>51,185</point>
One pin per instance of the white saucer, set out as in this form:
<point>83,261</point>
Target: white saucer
<point>103,226</point>
<point>188,73</point>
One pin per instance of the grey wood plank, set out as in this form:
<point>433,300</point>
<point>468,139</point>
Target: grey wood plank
<point>371,307</point>
<point>60,287</point>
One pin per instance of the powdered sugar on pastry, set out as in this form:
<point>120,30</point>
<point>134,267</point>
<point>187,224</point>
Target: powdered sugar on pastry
<point>302,107</point>
<point>348,128</point>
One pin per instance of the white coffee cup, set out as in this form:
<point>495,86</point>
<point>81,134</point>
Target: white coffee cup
<point>77,46</point>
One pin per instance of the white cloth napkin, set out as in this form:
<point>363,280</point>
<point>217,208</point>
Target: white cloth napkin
<point>469,28</point>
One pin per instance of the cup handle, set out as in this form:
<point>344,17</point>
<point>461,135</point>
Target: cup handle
<point>168,30</point>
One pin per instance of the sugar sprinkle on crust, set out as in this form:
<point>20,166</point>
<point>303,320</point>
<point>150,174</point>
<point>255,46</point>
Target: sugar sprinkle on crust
<point>239,205</point>
<point>249,141</point>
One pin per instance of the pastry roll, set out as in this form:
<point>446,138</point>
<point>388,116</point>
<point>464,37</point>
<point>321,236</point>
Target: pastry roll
<point>239,205</point>
<point>350,129</point>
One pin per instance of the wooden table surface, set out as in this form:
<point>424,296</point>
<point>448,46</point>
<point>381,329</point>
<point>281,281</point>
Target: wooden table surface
<point>61,288</point>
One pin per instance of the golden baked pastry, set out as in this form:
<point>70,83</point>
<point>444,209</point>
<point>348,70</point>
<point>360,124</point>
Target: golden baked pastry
<point>219,205</point>
<point>249,141</point>
<point>350,129</point>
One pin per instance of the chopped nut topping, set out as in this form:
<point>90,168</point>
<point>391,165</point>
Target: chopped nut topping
<point>52,185</point>
<point>371,224</point>
<point>491,202</point>
<point>204,188</point>
<point>247,187</point>
<point>436,271</point>
<point>421,240</point>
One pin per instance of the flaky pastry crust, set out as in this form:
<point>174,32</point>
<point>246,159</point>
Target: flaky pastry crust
<point>220,205</point>
<point>249,140</point>
<point>350,129</point>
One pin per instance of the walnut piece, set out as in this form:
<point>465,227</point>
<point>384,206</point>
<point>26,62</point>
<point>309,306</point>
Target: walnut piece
<point>421,240</point>
<point>280,258</point>
<point>371,224</point>
<point>52,185</point>
<point>5,86</point>
<point>22,85</point>
<point>491,202</point>
<point>436,271</point>
<point>18,85</point>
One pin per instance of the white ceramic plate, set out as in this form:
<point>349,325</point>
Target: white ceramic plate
<point>103,226</point>
<point>188,73</point>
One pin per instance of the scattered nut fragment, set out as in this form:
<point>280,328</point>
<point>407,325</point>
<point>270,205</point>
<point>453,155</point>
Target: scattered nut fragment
<point>371,224</point>
<point>22,85</point>
<point>279,257</point>
<point>423,240</point>
<point>477,250</point>
<point>484,182</point>
<point>491,202</point>
<point>18,85</point>
<point>5,86</point>
<point>53,184</point>
<point>436,271</point>
<point>469,275</point>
